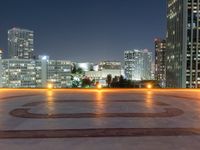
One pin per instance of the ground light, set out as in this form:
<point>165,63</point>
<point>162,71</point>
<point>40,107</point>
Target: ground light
<point>49,86</point>
<point>99,86</point>
<point>149,86</point>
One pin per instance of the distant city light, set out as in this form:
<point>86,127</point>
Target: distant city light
<point>44,58</point>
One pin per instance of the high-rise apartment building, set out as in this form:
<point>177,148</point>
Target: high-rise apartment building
<point>183,44</point>
<point>160,61</point>
<point>138,64</point>
<point>20,43</point>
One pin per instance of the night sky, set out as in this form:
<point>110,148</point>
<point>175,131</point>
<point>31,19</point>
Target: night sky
<point>85,30</point>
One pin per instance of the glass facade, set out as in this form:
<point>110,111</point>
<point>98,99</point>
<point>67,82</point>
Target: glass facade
<point>160,64</point>
<point>183,44</point>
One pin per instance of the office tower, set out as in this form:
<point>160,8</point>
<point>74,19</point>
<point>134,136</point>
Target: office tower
<point>138,64</point>
<point>160,65</point>
<point>183,47</point>
<point>132,64</point>
<point>146,64</point>
<point>20,43</point>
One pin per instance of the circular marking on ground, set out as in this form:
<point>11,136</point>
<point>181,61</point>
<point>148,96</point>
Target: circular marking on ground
<point>24,113</point>
<point>93,101</point>
<point>179,97</point>
<point>104,132</point>
<point>18,96</point>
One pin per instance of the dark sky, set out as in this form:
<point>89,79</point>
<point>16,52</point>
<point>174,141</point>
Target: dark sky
<point>85,30</point>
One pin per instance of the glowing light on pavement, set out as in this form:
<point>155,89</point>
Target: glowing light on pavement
<point>149,86</point>
<point>49,86</point>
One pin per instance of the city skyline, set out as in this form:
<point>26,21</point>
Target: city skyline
<point>103,32</point>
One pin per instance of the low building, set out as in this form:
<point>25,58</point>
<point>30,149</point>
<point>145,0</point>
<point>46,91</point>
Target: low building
<point>101,76</point>
<point>110,65</point>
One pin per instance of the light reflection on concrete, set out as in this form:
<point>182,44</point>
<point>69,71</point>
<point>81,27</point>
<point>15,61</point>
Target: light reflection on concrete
<point>99,104</point>
<point>149,99</point>
<point>50,102</point>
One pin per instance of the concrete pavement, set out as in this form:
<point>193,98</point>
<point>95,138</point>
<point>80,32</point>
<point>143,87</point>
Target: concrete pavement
<point>99,119</point>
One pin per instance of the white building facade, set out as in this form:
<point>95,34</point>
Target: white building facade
<point>101,75</point>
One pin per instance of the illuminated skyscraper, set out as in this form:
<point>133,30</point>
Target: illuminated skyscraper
<point>20,43</point>
<point>160,62</point>
<point>138,64</point>
<point>183,44</point>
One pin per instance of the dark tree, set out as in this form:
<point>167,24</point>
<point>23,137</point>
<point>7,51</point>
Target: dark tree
<point>115,82</point>
<point>109,80</point>
<point>86,82</point>
<point>74,70</point>
<point>79,71</point>
<point>121,82</point>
